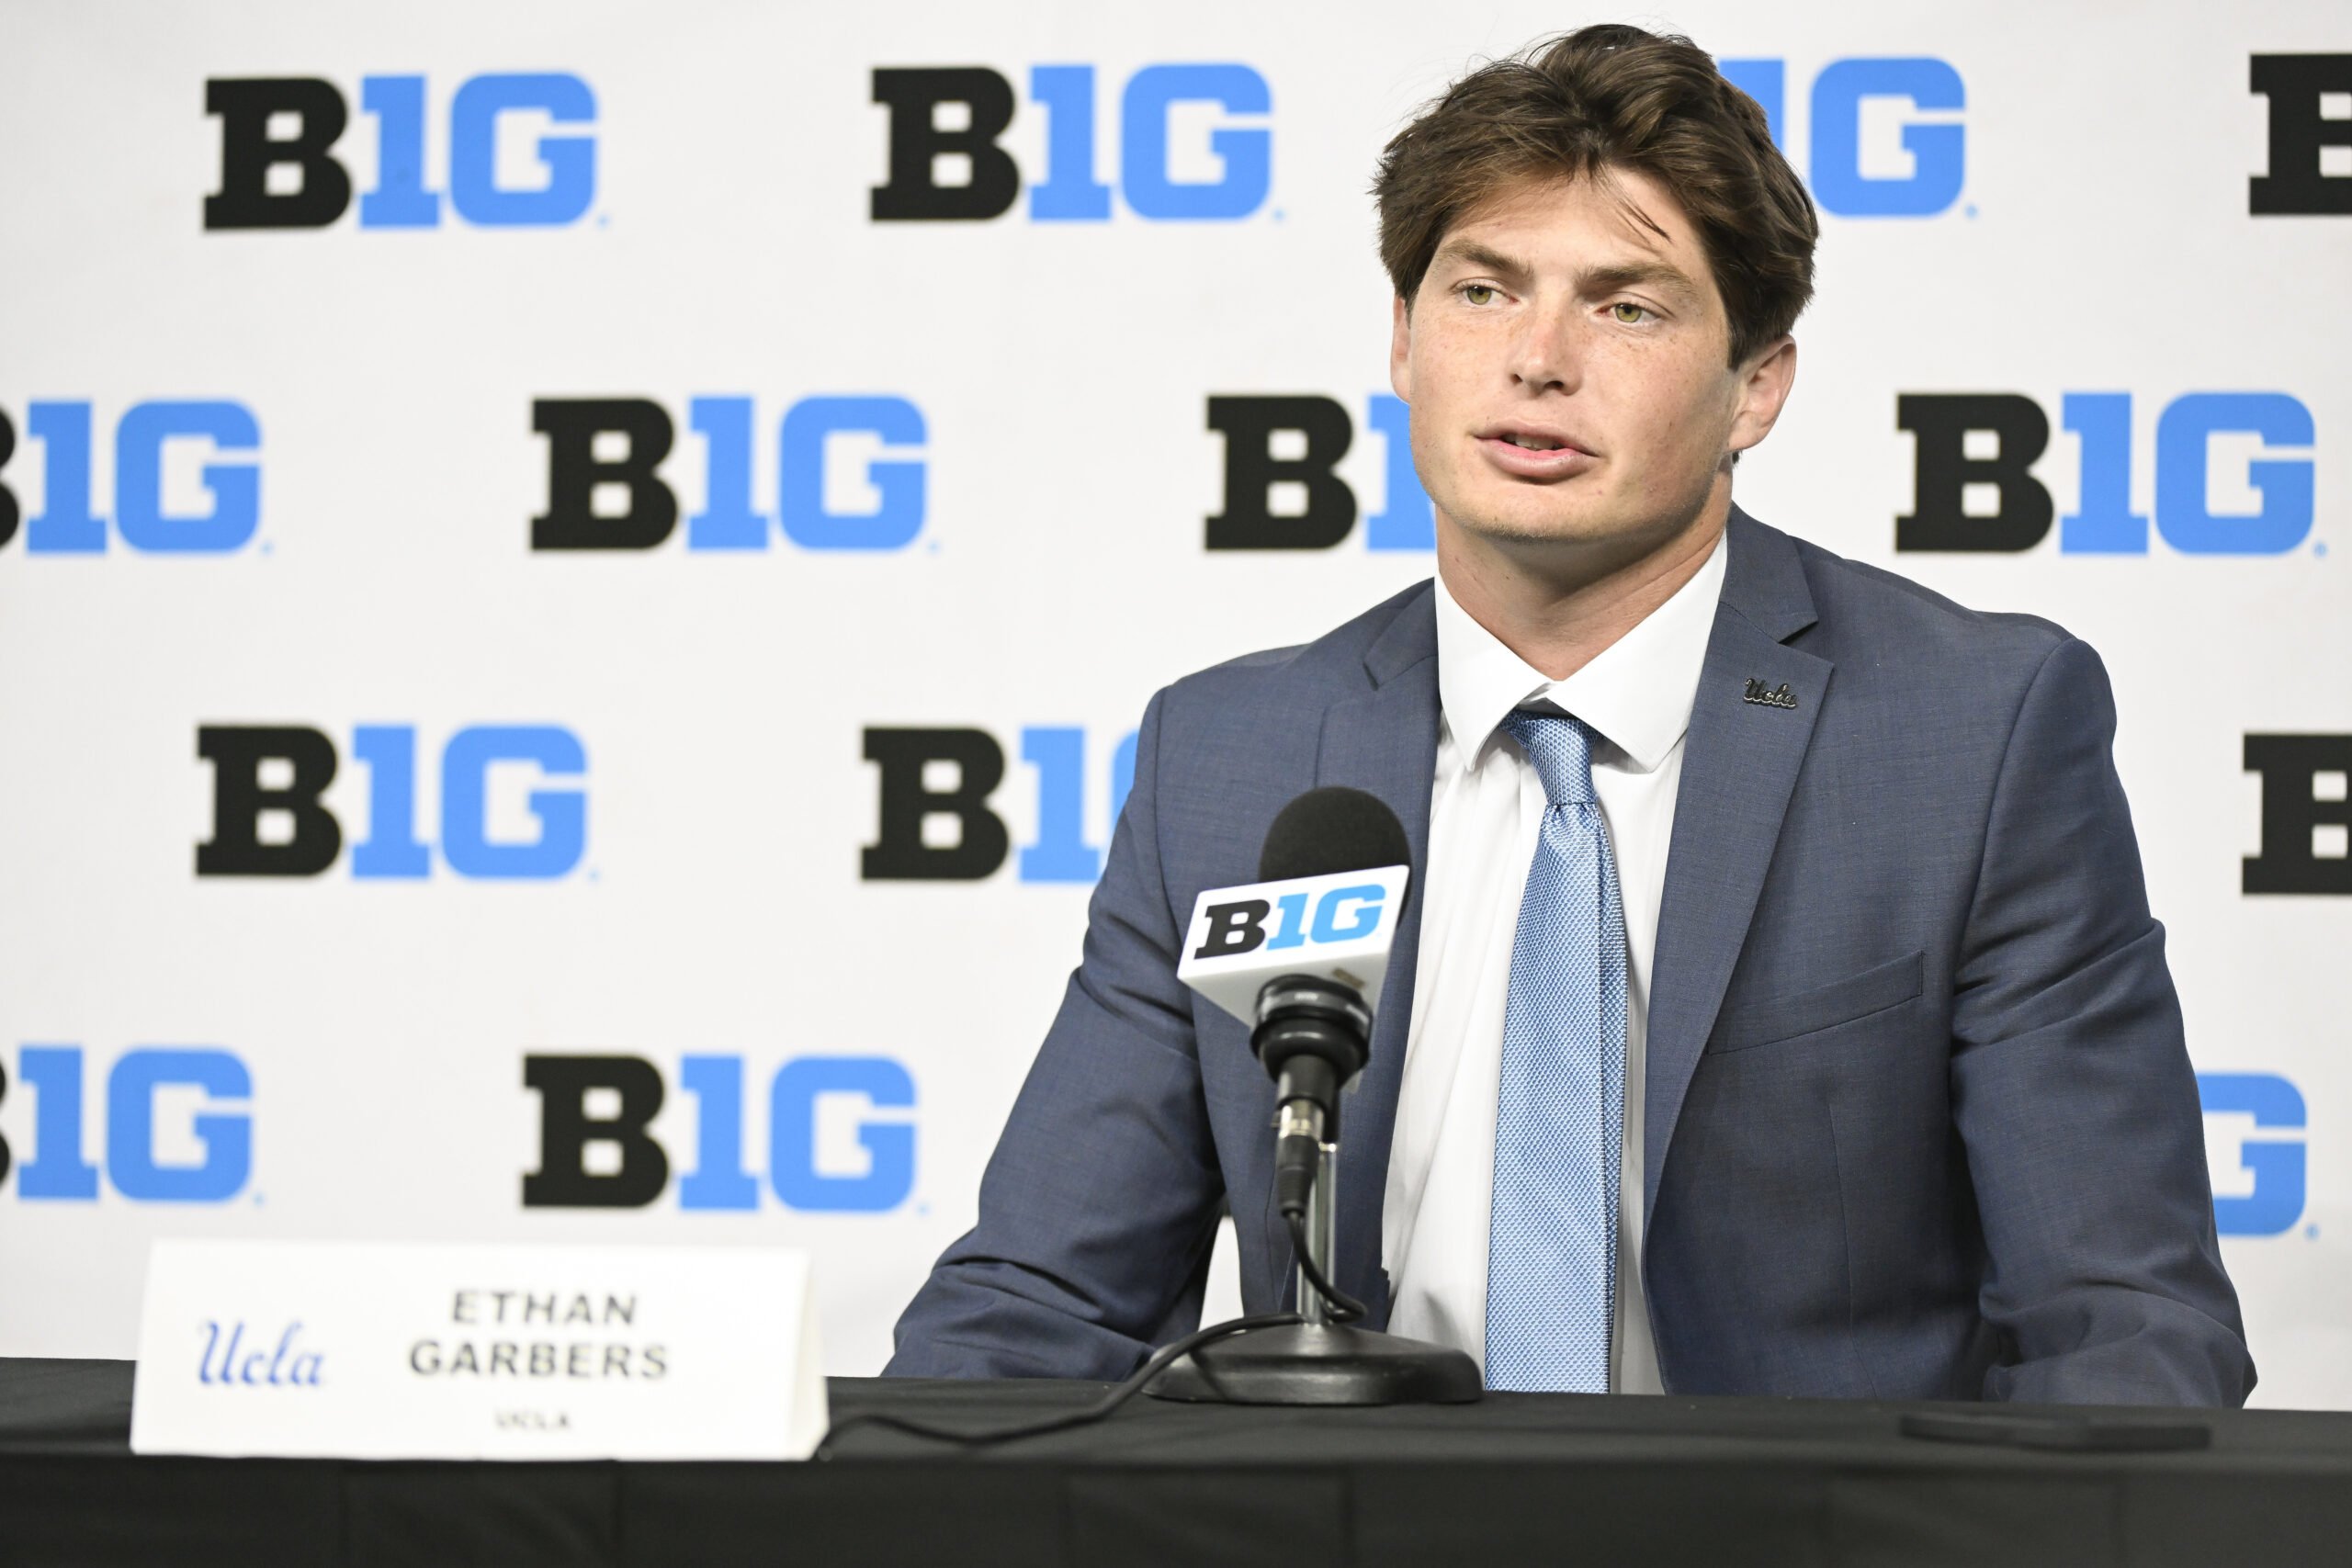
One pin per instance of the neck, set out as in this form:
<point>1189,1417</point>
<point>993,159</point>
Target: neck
<point>1561,606</point>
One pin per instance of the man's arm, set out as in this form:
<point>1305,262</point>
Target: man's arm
<point>1101,1200</point>
<point>2072,1087</point>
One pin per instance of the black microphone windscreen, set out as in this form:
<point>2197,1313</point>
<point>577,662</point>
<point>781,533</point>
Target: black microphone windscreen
<point>1332,830</point>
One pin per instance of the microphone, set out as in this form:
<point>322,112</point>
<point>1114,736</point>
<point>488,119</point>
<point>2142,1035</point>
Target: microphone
<point>1300,955</point>
<point>1330,830</point>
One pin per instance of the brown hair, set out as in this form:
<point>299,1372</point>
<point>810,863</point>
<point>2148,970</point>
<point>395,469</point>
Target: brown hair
<point>1605,98</point>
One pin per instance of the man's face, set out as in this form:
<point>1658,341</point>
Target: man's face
<point>1568,371</point>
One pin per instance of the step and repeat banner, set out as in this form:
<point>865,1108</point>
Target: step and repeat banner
<point>576,581</point>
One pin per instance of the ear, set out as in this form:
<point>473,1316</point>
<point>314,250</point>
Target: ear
<point>1763,392</point>
<point>1400,350</point>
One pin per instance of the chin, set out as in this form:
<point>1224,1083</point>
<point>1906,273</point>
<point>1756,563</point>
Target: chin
<point>1562,514</point>
<point>1524,525</point>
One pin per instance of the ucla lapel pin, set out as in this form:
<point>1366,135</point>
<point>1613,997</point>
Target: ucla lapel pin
<point>1758,692</point>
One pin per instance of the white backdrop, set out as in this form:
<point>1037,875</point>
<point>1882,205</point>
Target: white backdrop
<point>343,1053</point>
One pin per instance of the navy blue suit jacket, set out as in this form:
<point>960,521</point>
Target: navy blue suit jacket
<point>1921,1120</point>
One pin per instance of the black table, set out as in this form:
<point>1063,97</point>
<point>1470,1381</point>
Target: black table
<point>1544,1478</point>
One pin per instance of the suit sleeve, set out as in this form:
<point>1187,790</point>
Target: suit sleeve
<point>1098,1208</point>
<point>2072,1087</point>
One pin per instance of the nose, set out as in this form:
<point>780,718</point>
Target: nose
<point>1547,354</point>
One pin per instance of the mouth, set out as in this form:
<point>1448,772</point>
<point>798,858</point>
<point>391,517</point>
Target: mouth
<point>1528,452</point>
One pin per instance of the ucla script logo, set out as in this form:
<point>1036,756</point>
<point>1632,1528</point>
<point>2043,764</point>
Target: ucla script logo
<point>230,1357</point>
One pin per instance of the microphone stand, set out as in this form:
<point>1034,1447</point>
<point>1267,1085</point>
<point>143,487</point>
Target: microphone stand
<point>1321,1361</point>
<point>1322,1233</point>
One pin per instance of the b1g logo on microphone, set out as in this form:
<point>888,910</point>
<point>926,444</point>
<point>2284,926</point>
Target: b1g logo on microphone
<point>499,820</point>
<point>522,151</point>
<point>2311,136</point>
<point>2233,476</point>
<point>2254,1149</point>
<point>1337,927</point>
<point>175,1122</point>
<point>183,481</point>
<point>1283,488</point>
<point>1193,144</point>
<point>1888,140</point>
<point>838,473</point>
<point>2306,817</point>
<point>840,1137</point>
<point>1238,926</point>
<point>935,822</point>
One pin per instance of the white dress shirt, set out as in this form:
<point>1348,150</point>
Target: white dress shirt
<point>1486,807</point>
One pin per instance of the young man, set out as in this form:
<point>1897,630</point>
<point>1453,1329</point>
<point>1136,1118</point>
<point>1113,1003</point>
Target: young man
<point>1780,1009</point>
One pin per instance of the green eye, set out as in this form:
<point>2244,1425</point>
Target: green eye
<point>1628,312</point>
<point>1477,293</point>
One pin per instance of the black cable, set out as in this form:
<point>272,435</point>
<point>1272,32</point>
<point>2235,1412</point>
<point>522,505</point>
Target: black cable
<point>1158,1364</point>
<point>1342,1307</point>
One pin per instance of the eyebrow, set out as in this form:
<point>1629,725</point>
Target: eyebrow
<point>1635,275</point>
<point>1590,281</point>
<point>1484,257</point>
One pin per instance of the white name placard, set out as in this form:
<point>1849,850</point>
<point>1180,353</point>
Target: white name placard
<point>367,1350</point>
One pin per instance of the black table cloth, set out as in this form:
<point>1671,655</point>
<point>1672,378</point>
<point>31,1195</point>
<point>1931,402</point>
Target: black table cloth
<point>1537,1478</point>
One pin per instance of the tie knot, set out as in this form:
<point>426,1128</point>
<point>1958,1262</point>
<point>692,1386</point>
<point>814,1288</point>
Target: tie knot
<point>1561,749</point>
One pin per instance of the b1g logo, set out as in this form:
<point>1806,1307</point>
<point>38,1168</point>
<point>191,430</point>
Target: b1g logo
<point>269,817</point>
<point>147,517</point>
<point>2306,817</point>
<point>1975,488</point>
<point>2311,136</point>
<point>834,1146</point>
<point>936,823</point>
<point>2254,1149</point>
<point>1283,490</point>
<point>1857,170</point>
<point>946,162</point>
<point>279,169</point>
<point>1340,914</point>
<point>605,491</point>
<point>175,1126</point>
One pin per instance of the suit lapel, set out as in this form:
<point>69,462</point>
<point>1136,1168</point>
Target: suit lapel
<point>1739,768</point>
<point>1383,741</point>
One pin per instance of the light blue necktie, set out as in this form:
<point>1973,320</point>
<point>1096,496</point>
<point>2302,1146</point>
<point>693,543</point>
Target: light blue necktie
<point>1560,1111</point>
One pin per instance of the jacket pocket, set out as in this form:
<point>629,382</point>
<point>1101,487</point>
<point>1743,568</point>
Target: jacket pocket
<point>1825,1007</point>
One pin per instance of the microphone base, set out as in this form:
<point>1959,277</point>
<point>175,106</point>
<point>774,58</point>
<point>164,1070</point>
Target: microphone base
<point>1310,1363</point>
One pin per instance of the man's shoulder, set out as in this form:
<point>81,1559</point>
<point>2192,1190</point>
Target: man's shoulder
<point>1886,622</point>
<point>1335,662</point>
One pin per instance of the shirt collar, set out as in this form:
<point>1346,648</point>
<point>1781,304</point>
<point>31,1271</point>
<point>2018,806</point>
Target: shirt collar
<point>1637,692</point>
